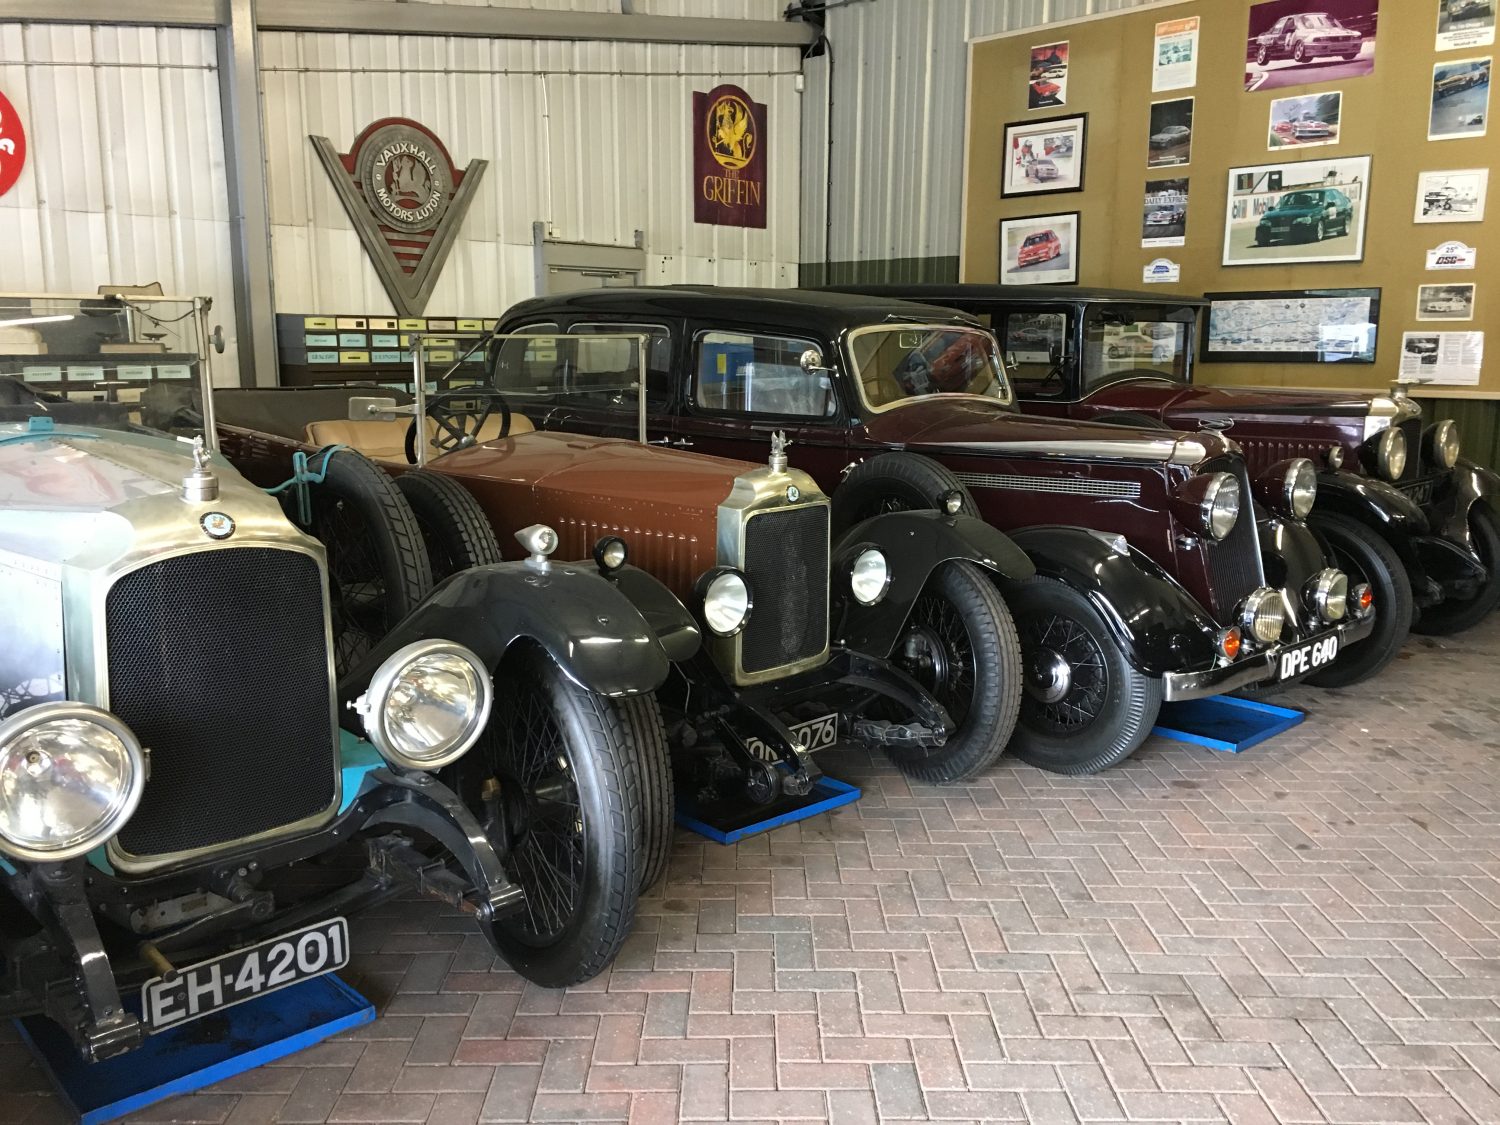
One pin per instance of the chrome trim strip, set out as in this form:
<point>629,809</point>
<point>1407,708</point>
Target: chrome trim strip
<point>1119,489</point>
<point>1167,451</point>
<point>1254,669</point>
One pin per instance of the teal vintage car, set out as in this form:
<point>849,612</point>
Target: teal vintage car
<point>1306,215</point>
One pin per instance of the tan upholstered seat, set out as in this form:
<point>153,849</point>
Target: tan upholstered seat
<point>380,440</point>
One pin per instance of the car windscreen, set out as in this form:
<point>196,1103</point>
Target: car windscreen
<point>895,364</point>
<point>1318,20</point>
<point>1299,199</point>
<point>1125,339</point>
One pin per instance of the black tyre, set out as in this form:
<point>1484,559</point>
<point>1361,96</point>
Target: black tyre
<point>1318,231</point>
<point>570,767</point>
<point>454,527</point>
<point>1263,56</point>
<point>377,566</point>
<point>960,643</point>
<point>1133,418</point>
<point>1454,615</point>
<point>1084,707</point>
<point>1299,53</point>
<point>1365,557</point>
<point>893,482</point>
<point>643,723</point>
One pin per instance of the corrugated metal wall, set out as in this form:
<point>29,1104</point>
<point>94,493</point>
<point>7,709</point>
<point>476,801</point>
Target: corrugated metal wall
<point>591,138</point>
<point>900,72</point>
<point>704,9</point>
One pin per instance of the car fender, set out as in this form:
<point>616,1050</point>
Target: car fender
<point>1379,505</point>
<point>1299,554</point>
<point>1159,626</point>
<point>915,544</point>
<point>615,637</point>
<point>1470,484</point>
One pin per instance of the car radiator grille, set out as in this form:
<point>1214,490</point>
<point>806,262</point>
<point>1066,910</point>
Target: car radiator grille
<point>1234,563</point>
<point>786,559</point>
<point>1412,428</point>
<point>218,661</point>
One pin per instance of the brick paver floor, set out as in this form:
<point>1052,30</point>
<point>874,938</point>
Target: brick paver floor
<point>1307,932</point>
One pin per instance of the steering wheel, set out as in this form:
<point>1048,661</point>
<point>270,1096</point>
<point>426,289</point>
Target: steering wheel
<point>460,414</point>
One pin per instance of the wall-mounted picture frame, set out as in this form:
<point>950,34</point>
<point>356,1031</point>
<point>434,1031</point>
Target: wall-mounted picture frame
<point>1446,301</point>
<point>1290,212</point>
<point>1292,326</point>
<point>1305,122</point>
<point>1039,250</point>
<point>1044,157</point>
<point>1453,196</point>
<point>1460,99</point>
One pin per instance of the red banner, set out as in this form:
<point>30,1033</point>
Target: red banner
<point>13,146</point>
<point>729,158</point>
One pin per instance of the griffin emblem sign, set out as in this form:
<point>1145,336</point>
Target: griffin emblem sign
<point>406,200</point>
<point>729,162</point>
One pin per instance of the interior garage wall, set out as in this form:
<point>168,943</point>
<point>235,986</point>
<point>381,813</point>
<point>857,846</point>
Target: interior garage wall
<point>590,138</point>
<point>894,172</point>
<point>124,178</point>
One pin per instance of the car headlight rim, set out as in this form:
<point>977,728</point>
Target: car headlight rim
<point>386,731</point>
<point>870,576</point>
<point>1220,509</point>
<point>1328,594</point>
<point>727,600</point>
<point>1263,615</point>
<point>1300,488</point>
<point>1443,444</point>
<point>611,553</point>
<point>26,726</point>
<point>1390,453</point>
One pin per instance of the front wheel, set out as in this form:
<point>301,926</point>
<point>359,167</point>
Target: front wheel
<point>960,644</point>
<point>1454,615</point>
<point>1365,557</point>
<point>1263,56</point>
<point>1084,707</point>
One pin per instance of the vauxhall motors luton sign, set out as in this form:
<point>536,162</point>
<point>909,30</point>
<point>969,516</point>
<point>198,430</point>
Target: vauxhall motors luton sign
<point>406,200</point>
<point>729,158</point>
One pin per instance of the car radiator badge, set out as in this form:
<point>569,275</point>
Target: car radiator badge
<point>406,200</point>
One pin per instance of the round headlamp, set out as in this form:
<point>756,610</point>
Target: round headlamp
<point>1328,593</point>
<point>869,577</point>
<point>1442,442</point>
<point>70,776</point>
<point>1263,615</point>
<point>1335,457</point>
<point>951,502</point>
<point>426,704</point>
<point>1221,505</point>
<point>1390,453</point>
<point>726,600</point>
<point>610,553</point>
<point>1300,489</point>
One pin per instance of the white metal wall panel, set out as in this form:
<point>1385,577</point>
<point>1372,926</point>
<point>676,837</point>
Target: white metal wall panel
<point>700,9</point>
<point>591,138</point>
<point>124,178</point>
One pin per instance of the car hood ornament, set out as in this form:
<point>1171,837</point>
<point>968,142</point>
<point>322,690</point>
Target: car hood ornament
<point>201,484</point>
<point>779,444</point>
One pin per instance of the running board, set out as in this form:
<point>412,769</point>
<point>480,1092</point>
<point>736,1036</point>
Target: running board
<point>729,826</point>
<point>1224,722</point>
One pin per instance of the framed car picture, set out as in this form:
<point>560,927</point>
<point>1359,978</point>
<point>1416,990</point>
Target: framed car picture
<point>1292,326</point>
<point>1043,157</point>
<point>1297,211</point>
<point>1039,250</point>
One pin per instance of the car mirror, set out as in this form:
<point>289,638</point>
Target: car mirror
<point>811,361</point>
<point>382,409</point>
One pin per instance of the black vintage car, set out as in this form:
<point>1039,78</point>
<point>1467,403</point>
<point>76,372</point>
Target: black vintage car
<point>1156,579</point>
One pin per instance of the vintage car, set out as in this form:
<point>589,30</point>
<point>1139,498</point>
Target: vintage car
<point>179,725</point>
<point>1150,585</point>
<point>1171,136</point>
<point>1398,505</point>
<point>1305,215</point>
<point>1305,37</point>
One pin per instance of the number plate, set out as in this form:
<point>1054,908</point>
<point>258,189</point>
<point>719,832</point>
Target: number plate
<point>1309,657</point>
<point>210,986</point>
<point>815,734</point>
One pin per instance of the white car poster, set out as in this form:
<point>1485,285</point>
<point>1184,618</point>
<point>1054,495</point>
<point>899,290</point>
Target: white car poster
<point>1450,358</point>
<point>1174,66</point>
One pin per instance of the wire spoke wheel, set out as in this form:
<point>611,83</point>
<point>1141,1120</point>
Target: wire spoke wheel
<point>356,584</point>
<point>1067,679</point>
<point>938,652</point>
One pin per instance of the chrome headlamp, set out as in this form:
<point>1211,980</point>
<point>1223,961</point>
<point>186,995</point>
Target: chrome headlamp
<point>610,553</point>
<point>426,704</point>
<point>870,576</point>
<point>726,600</point>
<point>1335,457</point>
<point>1300,488</point>
<point>71,775</point>
<point>1263,615</point>
<point>951,502</point>
<point>1388,450</point>
<point>1220,508</point>
<point>1328,594</point>
<point>1443,446</point>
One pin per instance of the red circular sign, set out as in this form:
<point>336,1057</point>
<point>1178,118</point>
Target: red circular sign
<point>12,145</point>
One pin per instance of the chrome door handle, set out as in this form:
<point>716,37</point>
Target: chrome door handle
<point>683,443</point>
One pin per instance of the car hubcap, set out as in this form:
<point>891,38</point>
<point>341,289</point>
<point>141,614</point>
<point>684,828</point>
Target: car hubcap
<point>937,653</point>
<point>1067,677</point>
<point>1051,677</point>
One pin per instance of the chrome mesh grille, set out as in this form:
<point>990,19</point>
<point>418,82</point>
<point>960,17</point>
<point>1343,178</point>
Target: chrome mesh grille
<point>786,559</point>
<point>1234,563</point>
<point>1070,486</point>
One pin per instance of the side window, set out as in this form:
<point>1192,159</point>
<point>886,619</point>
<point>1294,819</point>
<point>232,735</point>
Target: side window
<point>530,367</point>
<point>760,375</point>
<point>1034,345</point>
<point>616,360</point>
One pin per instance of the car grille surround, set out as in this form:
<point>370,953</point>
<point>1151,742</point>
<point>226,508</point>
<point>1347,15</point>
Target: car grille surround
<point>786,561</point>
<point>1234,562</point>
<point>218,661</point>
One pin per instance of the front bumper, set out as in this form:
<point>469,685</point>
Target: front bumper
<point>1257,668</point>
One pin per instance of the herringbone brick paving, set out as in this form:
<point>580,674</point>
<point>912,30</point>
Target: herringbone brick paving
<point>1309,932</point>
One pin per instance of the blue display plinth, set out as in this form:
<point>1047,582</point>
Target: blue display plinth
<point>728,827</point>
<point>197,1054</point>
<point>1224,722</point>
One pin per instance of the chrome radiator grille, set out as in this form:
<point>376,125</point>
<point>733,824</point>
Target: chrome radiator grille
<point>786,559</point>
<point>218,661</point>
<point>1234,563</point>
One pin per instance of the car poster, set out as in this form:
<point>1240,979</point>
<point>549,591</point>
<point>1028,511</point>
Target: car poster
<point>1175,64</point>
<point>1452,256</point>
<point>1164,218</point>
<point>1296,326</point>
<point>1294,42</point>
<point>1446,302</point>
<point>1452,197</point>
<point>1044,156</point>
<point>1306,122</point>
<point>1452,358</point>
<point>1460,99</point>
<point>1297,211</point>
<point>1049,76</point>
<point>1171,139</point>
<point>1465,24</point>
<point>1039,250</point>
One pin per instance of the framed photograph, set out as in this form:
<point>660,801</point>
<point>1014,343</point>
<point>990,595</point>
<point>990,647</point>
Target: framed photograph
<point>1460,100</point>
<point>1049,76</point>
<point>1452,197</point>
<point>1171,140</point>
<point>1044,156</point>
<point>1465,24</point>
<point>1292,326</point>
<point>1445,302</point>
<point>1297,211</point>
<point>1292,42</point>
<point>1164,217</point>
<point>1305,122</point>
<point>1039,250</point>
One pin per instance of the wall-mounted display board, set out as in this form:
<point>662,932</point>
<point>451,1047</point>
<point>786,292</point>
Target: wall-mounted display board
<point>316,349</point>
<point>1262,146</point>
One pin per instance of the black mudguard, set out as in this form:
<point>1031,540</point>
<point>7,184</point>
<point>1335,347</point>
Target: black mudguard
<point>1160,627</point>
<point>1470,484</point>
<point>915,544</point>
<point>1378,505</point>
<point>613,637</point>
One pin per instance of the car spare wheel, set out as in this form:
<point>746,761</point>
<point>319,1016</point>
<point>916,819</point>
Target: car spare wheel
<point>960,644</point>
<point>454,527</point>
<point>1083,708</point>
<point>1365,557</point>
<point>893,482</point>
<point>569,774</point>
<point>377,567</point>
<point>1454,615</point>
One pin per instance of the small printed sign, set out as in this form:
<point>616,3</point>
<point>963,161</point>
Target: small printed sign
<point>174,371</point>
<point>1451,256</point>
<point>84,373</point>
<point>1162,271</point>
<point>41,374</point>
<point>133,371</point>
